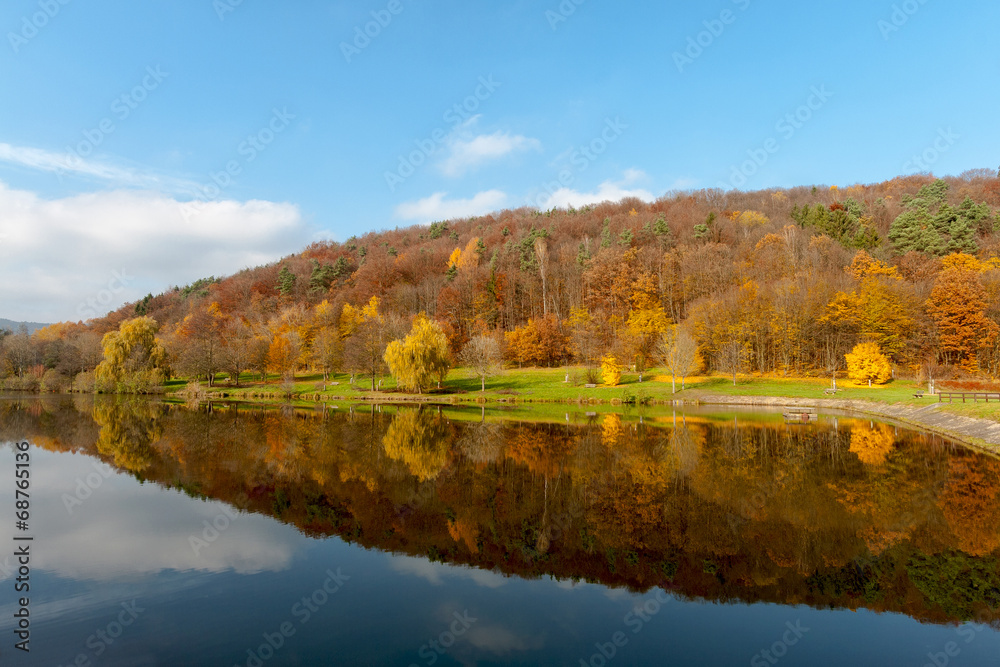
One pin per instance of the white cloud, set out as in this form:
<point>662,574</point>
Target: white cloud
<point>70,163</point>
<point>607,191</point>
<point>468,153</point>
<point>58,257</point>
<point>435,207</point>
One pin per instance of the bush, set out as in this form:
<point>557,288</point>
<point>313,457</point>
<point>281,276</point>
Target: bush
<point>84,383</point>
<point>53,381</point>
<point>193,391</point>
<point>142,382</point>
<point>969,385</point>
<point>26,383</point>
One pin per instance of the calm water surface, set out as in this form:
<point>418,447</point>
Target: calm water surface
<point>169,535</point>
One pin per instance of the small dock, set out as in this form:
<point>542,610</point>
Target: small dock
<point>800,415</point>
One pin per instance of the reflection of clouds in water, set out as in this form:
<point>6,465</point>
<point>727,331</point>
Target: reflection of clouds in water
<point>570,584</point>
<point>618,594</point>
<point>435,573</point>
<point>498,640</point>
<point>124,529</point>
<point>481,636</point>
<point>94,604</point>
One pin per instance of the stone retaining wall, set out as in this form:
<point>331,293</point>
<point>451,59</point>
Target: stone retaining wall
<point>981,434</point>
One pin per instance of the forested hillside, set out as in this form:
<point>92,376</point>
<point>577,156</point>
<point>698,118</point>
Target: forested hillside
<point>784,281</point>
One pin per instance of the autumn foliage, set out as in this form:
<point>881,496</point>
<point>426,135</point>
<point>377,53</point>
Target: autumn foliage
<point>867,364</point>
<point>775,281</point>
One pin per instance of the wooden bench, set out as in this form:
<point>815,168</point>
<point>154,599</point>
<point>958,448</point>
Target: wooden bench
<point>590,386</point>
<point>830,391</point>
<point>920,395</point>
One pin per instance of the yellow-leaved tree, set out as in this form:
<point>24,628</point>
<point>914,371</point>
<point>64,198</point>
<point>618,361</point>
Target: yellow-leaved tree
<point>366,332</point>
<point>419,358</point>
<point>611,370</point>
<point>866,363</point>
<point>134,360</point>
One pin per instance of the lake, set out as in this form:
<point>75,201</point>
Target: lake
<point>554,535</point>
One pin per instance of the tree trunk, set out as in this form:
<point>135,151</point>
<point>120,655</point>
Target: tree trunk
<point>484,384</point>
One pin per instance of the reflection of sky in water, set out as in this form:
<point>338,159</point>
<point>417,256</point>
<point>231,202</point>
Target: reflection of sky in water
<point>130,541</point>
<point>126,529</point>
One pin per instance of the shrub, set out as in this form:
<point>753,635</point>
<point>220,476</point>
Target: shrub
<point>53,381</point>
<point>969,385</point>
<point>84,382</point>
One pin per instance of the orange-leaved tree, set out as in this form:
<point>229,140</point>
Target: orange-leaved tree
<point>957,306</point>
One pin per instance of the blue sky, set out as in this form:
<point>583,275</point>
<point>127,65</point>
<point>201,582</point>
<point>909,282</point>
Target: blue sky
<point>119,118</point>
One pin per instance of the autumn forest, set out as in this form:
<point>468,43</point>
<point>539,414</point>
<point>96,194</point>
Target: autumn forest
<point>782,282</point>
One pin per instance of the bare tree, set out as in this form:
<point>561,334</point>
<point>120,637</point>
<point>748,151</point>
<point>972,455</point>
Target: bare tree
<point>237,350</point>
<point>19,352</point>
<point>680,353</point>
<point>482,355</point>
<point>542,253</point>
<point>89,350</point>
<point>259,347</point>
<point>327,351</point>
<point>732,358</point>
<point>364,350</point>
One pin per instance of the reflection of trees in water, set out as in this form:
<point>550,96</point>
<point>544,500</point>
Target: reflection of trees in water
<point>685,448</point>
<point>482,442</point>
<point>420,439</point>
<point>971,504</point>
<point>873,444</point>
<point>128,427</point>
<point>765,511</point>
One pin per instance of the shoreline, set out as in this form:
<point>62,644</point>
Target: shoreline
<point>982,435</point>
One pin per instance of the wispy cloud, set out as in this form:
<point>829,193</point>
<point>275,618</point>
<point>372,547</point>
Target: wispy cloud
<point>682,184</point>
<point>607,191</point>
<point>465,150</point>
<point>101,170</point>
<point>436,207</point>
<point>468,154</point>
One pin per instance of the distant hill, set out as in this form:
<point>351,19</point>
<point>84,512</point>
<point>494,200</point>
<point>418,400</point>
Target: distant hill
<point>14,326</point>
<point>781,280</point>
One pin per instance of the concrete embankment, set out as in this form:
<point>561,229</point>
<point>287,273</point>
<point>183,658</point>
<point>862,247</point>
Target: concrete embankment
<point>981,434</point>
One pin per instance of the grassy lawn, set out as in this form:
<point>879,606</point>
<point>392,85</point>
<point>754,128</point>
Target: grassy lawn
<point>981,410</point>
<point>894,392</point>
<point>550,385</point>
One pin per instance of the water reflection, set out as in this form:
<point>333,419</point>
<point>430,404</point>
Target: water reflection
<point>851,514</point>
